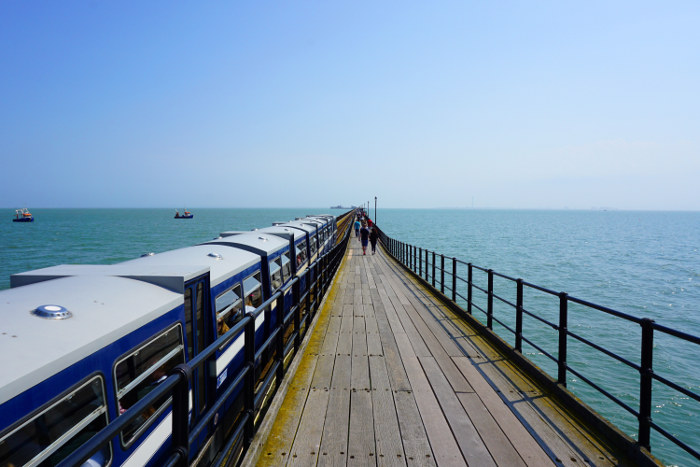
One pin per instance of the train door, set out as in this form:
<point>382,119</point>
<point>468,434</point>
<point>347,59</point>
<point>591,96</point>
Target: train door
<point>199,333</point>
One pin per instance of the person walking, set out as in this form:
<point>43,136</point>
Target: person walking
<point>373,236</point>
<point>364,238</point>
<point>357,227</point>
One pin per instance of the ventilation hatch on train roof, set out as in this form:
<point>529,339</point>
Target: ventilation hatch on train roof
<point>52,312</point>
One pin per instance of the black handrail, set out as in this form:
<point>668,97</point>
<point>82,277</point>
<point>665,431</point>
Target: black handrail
<point>176,385</point>
<point>398,250</point>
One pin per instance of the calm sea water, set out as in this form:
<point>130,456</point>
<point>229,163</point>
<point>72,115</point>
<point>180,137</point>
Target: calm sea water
<point>646,264</point>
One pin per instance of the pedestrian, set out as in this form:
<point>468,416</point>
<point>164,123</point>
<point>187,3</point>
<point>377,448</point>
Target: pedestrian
<point>364,237</point>
<point>357,227</point>
<point>373,236</point>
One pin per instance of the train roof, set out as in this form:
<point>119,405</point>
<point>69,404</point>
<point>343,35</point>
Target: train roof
<point>103,309</point>
<point>222,262</point>
<point>172,277</point>
<point>283,231</point>
<point>263,242</point>
<point>299,225</point>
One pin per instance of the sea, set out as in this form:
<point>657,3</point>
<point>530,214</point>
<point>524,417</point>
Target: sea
<point>640,263</point>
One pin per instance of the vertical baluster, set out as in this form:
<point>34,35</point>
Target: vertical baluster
<point>469,288</point>
<point>454,279</point>
<point>442,273</point>
<point>489,305</point>
<point>519,317</point>
<point>646,371</point>
<point>563,318</point>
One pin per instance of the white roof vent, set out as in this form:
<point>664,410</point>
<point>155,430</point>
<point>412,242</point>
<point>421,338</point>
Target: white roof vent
<point>216,256</point>
<point>52,312</point>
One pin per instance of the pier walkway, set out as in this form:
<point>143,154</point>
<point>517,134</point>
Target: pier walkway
<point>390,376</point>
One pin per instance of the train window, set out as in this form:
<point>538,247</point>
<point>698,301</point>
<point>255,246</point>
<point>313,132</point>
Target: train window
<point>286,266</point>
<point>229,307</point>
<point>275,274</point>
<point>313,245</point>
<point>253,292</point>
<point>301,253</point>
<point>141,371</point>
<point>188,322</point>
<point>54,433</point>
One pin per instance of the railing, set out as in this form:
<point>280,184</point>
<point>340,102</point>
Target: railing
<point>305,304</point>
<point>443,275</point>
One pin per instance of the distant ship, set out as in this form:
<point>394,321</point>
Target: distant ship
<point>23,215</point>
<point>185,215</point>
<point>342,207</point>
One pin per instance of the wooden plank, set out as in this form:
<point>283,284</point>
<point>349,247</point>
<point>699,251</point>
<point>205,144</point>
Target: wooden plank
<point>442,442</point>
<point>307,442</point>
<point>472,446</point>
<point>361,447</point>
<point>390,450</point>
<point>418,451</point>
<point>334,441</point>
<point>434,344</point>
<point>527,447</point>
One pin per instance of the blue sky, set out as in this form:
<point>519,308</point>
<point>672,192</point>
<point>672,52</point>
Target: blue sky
<point>508,104</point>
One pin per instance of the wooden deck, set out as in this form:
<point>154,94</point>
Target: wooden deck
<point>389,376</point>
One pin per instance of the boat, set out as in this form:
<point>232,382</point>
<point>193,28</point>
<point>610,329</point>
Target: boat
<point>23,215</point>
<point>185,214</point>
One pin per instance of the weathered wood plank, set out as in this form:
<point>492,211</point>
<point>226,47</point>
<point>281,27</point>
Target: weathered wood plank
<point>443,444</point>
<point>471,444</point>
<point>529,450</point>
<point>334,441</point>
<point>386,425</point>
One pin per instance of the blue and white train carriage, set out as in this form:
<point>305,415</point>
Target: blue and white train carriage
<point>87,342</point>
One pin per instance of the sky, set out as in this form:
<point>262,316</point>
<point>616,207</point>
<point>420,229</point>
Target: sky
<point>508,104</point>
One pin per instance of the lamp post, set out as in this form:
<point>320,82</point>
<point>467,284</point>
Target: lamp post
<point>375,210</point>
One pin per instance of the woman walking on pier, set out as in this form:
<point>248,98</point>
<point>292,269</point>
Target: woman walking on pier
<point>373,236</point>
<point>364,237</point>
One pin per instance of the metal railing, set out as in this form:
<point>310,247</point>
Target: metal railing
<point>445,275</point>
<point>270,354</point>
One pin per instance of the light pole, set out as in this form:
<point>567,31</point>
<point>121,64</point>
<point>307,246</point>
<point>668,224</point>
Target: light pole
<point>375,210</point>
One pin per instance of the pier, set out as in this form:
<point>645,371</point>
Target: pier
<point>389,375</point>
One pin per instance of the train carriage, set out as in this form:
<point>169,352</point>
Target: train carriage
<point>68,337</point>
<point>93,341</point>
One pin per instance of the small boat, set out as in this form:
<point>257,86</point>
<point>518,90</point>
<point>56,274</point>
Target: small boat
<point>23,215</point>
<point>185,215</point>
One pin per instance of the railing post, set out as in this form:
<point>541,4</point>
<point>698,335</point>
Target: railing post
<point>413,258</point>
<point>296,294</point>
<point>181,404</point>
<point>489,306</point>
<point>433,269</point>
<point>442,273</point>
<point>519,317</point>
<point>249,395</point>
<point>563,318</point>
<point>469,288</point>
<point>454,279</point>
<point>280,338</point>
<point>420,262</point>
<point>646,370</point>
<point>426,265</point>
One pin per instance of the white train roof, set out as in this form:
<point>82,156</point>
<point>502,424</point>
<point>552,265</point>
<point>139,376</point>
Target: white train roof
<point>222,262</point>
<point>300,225</point>
<point>172,277</point>
<point>281,230</point>
<point>265,242</point>
<point>103,309</point>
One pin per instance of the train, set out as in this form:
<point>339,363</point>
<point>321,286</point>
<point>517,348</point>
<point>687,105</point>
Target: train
<point>93,355</point>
